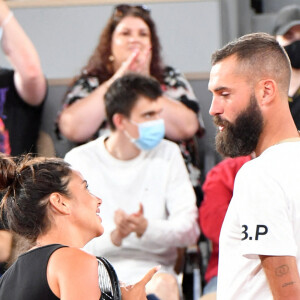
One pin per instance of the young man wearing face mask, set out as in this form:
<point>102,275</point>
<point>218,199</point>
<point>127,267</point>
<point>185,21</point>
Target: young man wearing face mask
<point>287,33</point>
<point>148,204</point>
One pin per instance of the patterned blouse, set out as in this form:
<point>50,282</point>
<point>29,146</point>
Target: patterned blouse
<point>175,86</point>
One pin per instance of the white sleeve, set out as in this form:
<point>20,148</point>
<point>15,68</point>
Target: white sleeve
<point>181,227</point>
<point>264,214</point>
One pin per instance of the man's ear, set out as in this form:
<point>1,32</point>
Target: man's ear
<point>267,89</point>
<point>118,120</point>
<point>59,203</point>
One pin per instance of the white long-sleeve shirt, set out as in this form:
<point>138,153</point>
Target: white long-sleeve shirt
<point>159,180</point>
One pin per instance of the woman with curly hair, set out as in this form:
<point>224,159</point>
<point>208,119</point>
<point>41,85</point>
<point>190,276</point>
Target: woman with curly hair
<point>129,43</point>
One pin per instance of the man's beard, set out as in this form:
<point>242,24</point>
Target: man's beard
<point>241,137</point>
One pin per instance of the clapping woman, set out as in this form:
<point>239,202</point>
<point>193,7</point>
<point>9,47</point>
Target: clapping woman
<point>129,43</point>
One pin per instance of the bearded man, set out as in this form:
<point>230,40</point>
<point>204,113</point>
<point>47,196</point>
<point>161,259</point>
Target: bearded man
<point>260,236</point>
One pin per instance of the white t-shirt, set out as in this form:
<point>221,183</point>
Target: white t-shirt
<point>263,218</point>
<point>159,180</point>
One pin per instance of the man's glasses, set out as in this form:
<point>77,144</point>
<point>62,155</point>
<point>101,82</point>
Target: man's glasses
<point>123,9</point>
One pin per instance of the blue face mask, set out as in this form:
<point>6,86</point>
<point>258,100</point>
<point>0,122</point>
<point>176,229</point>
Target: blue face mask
<point>150,134</point>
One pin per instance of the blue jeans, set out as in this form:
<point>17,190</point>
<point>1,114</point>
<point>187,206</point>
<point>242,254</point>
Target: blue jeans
<point>152,297</point>
<point>211,286</point>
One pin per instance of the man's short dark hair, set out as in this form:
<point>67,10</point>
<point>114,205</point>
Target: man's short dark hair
<point>123,94</point>
<point>259,54</point>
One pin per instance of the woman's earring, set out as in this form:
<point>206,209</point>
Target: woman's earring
<point>111,58</point>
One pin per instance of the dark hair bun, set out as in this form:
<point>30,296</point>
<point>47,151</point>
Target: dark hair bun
<point>7,171</point>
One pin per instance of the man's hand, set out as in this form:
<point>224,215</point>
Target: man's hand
<point>139,222</point>
<point>126,224</point>
<point>123,228</point>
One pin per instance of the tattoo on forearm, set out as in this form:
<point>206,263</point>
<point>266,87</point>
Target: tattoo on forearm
<point>288,283</point>
<point>282,270</point>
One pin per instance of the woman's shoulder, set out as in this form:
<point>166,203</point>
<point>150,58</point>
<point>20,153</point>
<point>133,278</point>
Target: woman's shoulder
<point>69,255</point>
<point>74,272</point>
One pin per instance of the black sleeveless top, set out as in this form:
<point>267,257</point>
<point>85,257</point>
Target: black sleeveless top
<point>26,279</point>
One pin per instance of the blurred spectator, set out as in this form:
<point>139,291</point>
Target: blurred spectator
<point>22,89</point>
<point>129,43</point>
<point>287,33</point>
<point>149,207</point>
<point>22,92</point>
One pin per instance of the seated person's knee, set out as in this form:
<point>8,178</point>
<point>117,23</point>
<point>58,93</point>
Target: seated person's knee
<point>164,286</point>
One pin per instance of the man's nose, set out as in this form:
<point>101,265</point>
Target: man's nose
<point>215,107</point>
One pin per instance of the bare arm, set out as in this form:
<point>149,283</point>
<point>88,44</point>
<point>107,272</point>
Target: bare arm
<point>29,79</point>
<point>181,122</point>
<point>5,245</point>
<point>81,120</point>
<point>72,274</point>
<point>283,276</point>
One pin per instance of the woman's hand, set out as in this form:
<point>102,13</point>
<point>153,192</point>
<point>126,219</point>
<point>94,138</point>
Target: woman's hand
<point>137,291</point>
<point>138,62</point>
<point>141,63</point>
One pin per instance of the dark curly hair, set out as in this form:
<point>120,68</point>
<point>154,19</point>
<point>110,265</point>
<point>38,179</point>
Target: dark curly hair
<point>99,64</point>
